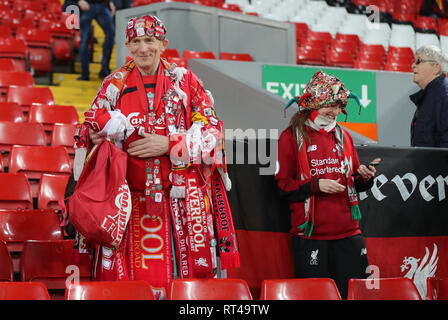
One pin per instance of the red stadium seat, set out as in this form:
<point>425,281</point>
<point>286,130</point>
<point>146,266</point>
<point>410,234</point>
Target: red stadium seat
<point>443,26</point>
<point>63,41</point>
<point>6,31</point>
<point>23,291</point>
<point>110,290</point>
<point>63,135</point>
<point>171,52</point>
<point>401,52</point>
<point>11,111</point>
<point>39,45</point>
<point>344,46</point>
<point>301,31</point>
<point>51,262</point>
<point>231,7</point>
<point>48,115</point>
<point>209,289</point>
<point>181,62</point>
<point>8,64</point>
<point>33,161</point>
<point>16,50</point>
<point>191,54</point>
<point>15,229</point>
<point>397,66</point>
<point>383,289</point>
<point>372,50</point>
<point>16,78</point>
<point>406,18</point>
<point>425,23</point>
<point>437,288</point>
<point>51,191</point>
<point>20,133</point>
<point>235,56</point>
<point>339,59</point>
<point>310,56</point>
<point>27,96</point>
<point>15,192</point>
<point>300,289</point>
<point>318,35</point>
<point>352,38</point>
<point>368,64</point>
<point>6,268</point>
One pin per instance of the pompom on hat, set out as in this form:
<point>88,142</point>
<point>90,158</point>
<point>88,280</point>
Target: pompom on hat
<point>146,25</point>
<point>321,91</point>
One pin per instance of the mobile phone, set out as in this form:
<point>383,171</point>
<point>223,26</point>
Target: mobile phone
<point>374,164</point>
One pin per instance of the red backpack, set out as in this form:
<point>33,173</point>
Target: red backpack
<point>100,206</point>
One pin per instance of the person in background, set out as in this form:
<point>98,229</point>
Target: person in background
<point>434,8</point>
<point>102,11</point>
<point>319,173</point>
<point>122,4</point>
<point>429,126</point>
<point>164,119</point>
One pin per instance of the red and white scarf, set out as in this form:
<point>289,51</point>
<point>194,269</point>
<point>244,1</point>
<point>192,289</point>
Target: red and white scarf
<point>304,173</point>
<point>204,201</point>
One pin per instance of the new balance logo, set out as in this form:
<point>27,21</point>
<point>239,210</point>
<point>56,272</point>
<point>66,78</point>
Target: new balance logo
<point>312,148</point>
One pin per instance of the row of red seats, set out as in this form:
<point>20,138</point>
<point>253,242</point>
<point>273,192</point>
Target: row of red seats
<point>346,50</point>
<point>221,4</point>
<point>173,55</point>
<point>22,5</point>
<point>230,289</point>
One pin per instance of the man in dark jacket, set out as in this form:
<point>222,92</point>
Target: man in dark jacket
<point>102,11</point>
<point>429,127</point>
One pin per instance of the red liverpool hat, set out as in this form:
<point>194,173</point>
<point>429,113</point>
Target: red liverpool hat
<point>146,25</point>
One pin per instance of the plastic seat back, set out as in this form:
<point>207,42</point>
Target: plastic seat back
<point>437,288</point>
<point>110,290</point>
<point>15,229</point>
<point>382,289</point>
<point>191,54</point>
<point>48,115</point>
<point>23,291</point>
<point>39,45</point>
<point>300,289</point>
<point>6,268</point>
<point>171,52</point>
<point>16,50</point>
<point>11,111</point>
<point>22,133</point>
<point>33,161</point>
<point>209,289</point>
<point>235,56</point>
<point>14,78</point>
<point>7,64</point>
<point>26,96</point>
<point>15,191</point>
<point>48,261</point>
<point>51,191</point>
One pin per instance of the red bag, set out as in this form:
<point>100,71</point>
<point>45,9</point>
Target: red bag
<point>100,206</point>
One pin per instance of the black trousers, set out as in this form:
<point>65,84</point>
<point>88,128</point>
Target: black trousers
<point>339,260</point>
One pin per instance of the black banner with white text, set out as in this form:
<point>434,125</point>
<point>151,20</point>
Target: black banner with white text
<point>404,214</point>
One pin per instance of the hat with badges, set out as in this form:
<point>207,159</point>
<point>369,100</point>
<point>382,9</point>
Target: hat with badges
<point>146,25</point>
<point>323,90</point>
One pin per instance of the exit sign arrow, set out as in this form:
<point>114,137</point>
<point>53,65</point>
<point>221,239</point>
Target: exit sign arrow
<point>364,98</point>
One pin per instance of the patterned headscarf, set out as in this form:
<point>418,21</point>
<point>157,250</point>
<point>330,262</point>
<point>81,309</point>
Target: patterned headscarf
<point>323,90</point>
<point>146,25</point>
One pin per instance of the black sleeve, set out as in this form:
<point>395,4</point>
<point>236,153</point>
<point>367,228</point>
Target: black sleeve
<point>361,185</point>
<point>300,194</point>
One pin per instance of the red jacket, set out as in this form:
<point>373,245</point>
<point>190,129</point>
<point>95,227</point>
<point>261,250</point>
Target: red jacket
<point>332,211</point>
